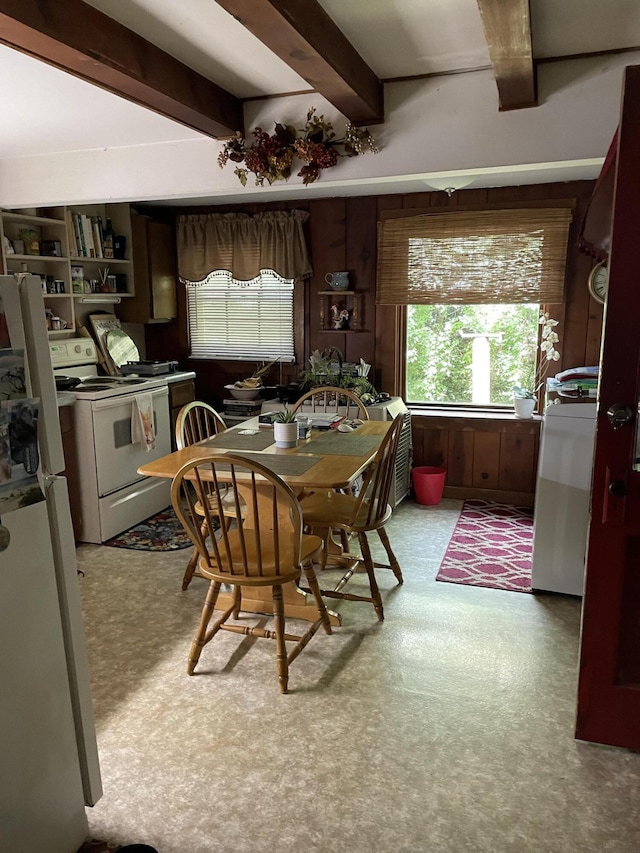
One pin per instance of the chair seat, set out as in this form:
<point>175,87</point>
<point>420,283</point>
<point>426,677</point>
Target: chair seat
<point>336,510</point>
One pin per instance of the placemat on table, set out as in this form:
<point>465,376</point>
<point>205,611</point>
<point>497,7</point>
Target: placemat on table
<point>236,441</point>
<point>335,443</point>
<point>282,465</point>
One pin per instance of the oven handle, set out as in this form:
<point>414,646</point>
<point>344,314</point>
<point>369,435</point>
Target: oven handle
<point>111,402</point>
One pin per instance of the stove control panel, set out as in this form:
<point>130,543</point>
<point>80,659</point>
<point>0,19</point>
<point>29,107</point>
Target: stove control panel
<point>73,352</point>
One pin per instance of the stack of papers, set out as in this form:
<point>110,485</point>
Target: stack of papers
<point>324,419</point>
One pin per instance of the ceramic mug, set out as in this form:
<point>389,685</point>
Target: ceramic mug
<point>57,323</point>
<point>337,280</point>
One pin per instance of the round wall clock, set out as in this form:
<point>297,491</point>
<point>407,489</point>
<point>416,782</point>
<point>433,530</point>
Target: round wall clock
<point>598,282</point>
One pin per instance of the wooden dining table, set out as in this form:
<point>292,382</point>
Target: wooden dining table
<point>328,459</point>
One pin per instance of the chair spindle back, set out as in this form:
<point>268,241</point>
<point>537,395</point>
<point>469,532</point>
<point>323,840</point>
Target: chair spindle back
<point>266,543</point>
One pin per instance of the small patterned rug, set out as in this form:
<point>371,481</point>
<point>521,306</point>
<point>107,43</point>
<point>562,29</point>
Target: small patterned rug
<point>491,545</point>
<point>161,532</point>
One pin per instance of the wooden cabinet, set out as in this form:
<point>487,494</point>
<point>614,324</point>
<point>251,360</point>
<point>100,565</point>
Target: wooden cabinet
<point>180,393</point>
<point>154,258</point>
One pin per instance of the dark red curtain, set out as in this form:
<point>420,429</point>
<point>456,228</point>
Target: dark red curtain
<point>595,232</point>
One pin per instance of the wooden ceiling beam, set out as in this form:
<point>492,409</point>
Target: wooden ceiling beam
<point>507,29</point>
<point>302,34</point>
<point>79,39</point>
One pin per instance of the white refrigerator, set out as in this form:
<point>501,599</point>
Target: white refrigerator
<point>49,765</point>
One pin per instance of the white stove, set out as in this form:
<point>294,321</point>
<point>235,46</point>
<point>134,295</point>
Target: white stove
<point>78,358</point>
<point>113,496</point>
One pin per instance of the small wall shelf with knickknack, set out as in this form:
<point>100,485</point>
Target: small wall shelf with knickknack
<point>340,311</point>
<point>45,242</point>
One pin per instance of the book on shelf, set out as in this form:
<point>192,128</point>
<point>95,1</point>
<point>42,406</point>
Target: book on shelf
<point>96,226</point>
<point>77,227</point>
<point>87,232</point>
<point>71,235</point>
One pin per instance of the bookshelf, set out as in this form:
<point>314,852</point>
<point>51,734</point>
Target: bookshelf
<point>45,242</point>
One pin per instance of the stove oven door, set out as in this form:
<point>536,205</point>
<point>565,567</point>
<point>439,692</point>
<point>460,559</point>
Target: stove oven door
<point>117,458</point>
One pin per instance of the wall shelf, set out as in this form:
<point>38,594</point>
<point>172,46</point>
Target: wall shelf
<point>347,316</point>
<point>59,272</point>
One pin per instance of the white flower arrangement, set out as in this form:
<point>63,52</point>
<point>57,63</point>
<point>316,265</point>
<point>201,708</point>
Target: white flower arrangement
<point>548,340</point>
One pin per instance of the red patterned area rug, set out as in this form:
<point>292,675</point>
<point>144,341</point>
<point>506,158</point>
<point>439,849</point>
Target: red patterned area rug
<point>491,546</point>
<point>161,532</point>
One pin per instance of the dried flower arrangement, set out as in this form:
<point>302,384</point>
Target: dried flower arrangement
<point>270,157</point>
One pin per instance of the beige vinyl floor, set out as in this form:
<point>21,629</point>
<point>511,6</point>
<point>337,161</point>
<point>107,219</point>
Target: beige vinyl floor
<point>448,728</point>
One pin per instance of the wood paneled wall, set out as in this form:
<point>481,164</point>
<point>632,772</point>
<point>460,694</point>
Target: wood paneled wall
<point>342,236</point>
<point>485,457</point>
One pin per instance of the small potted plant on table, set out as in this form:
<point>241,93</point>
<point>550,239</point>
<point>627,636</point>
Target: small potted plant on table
<point>285,428</point>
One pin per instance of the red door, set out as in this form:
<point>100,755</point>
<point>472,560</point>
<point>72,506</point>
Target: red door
<point>609,684</point>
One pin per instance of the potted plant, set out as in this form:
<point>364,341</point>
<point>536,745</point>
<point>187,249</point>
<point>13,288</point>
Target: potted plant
<point>524,399</point>
<point>285,428</point>
<point>524,402</point>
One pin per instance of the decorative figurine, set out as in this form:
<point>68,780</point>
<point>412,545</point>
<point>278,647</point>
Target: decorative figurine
<point>340,318</point>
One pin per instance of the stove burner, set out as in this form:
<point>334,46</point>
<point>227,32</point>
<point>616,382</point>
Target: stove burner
<point>93,386</point>
<point>99,380</point>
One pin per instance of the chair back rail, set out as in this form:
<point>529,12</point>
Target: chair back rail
<point>196,422</point>
<point>329,398</point>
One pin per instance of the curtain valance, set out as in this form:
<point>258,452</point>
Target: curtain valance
<point>467,257</point>
<point>242,244</point>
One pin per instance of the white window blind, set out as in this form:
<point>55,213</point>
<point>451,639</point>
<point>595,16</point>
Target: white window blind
<point>231,319</point>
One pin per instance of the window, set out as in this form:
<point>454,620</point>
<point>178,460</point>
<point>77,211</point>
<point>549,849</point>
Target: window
<point>469,354</point>
<point>231,319</point>
<point>472,283</point>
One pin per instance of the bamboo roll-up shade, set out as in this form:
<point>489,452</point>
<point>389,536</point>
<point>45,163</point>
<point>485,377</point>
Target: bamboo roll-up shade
<point>471,257</point>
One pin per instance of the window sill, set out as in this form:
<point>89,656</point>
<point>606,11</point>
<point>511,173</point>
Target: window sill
<point>479,414</point>
<point>474,418</point>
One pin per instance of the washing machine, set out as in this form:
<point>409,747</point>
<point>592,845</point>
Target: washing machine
<point>563,496</point>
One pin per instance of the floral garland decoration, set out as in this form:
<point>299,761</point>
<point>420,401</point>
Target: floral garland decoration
<point>270,157</point>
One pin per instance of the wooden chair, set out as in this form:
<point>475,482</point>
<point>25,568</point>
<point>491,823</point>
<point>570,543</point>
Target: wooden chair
<point>330,399</point>
<point>370,510</point>
<point>196,422</point>
<point>267,549</point>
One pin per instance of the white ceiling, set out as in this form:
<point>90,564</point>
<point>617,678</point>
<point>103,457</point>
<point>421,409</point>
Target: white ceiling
<point>46,111</point>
